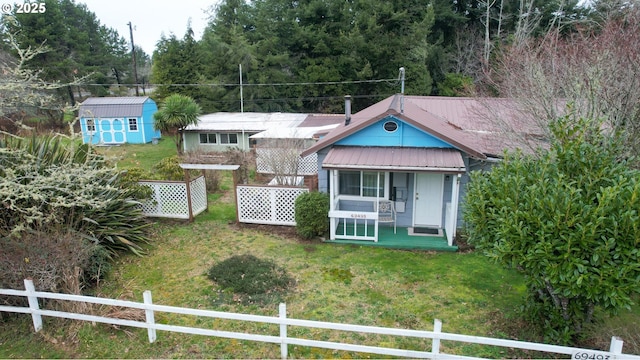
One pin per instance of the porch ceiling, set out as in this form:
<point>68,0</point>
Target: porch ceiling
<point>394,158</point>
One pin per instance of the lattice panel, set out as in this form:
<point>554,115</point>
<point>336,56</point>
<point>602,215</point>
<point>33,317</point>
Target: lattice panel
<point>267,205</point>
<point>169,198</point>
<point>198,195</point>
<point>307,165</point>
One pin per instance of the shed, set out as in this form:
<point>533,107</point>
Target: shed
<point>118,120</point>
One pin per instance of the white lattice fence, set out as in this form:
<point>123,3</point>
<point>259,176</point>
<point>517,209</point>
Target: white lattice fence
<point>307,165</point>
<point>267,204</point>
<point>169,198</point>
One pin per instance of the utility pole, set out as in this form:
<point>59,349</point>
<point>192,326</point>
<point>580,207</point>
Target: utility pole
<point>133,56</point>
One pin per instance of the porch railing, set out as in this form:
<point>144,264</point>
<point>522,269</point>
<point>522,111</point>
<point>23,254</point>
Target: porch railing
<point>353,225</point>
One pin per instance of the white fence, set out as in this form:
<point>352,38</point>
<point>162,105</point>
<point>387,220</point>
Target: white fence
<point>273,205</point>
<point>307,165</point>
<point>170,199</point>
<point>615,351</point>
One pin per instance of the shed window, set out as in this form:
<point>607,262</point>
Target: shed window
<point>228,138</point>
<point>133,124</point>
<point>91,125</point>
<point>362,183</point>
<point>208,139</point>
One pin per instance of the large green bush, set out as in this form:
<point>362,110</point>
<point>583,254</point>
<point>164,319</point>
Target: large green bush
<point>569,219</point>
<point>312,211</point>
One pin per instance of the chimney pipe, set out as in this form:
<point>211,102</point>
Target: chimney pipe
<point>347,110</point>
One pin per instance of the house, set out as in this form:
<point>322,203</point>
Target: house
<point>220,131</point>
<point>410,156</point>
<point>118,120</point>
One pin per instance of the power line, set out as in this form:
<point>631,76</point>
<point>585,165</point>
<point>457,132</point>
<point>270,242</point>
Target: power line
<point>248,84</point>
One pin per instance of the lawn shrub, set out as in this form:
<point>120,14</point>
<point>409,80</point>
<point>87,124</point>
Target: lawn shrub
<point>311,214</point>
<point>251,278</point>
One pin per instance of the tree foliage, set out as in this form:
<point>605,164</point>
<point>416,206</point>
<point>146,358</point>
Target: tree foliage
<point>175,114</point>
<point>568,220</point>
<point>82,47</point>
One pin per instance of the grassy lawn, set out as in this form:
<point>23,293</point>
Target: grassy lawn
<point>337,283</point>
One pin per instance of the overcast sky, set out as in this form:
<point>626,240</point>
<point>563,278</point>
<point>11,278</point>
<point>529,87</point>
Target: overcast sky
<point>151,18</point>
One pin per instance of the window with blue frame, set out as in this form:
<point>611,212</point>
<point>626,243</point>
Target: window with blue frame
<point>361,183</point>
<point>91,126</point>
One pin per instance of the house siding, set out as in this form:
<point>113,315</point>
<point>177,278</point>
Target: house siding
<point>405,136</point>
<point>192,141</point>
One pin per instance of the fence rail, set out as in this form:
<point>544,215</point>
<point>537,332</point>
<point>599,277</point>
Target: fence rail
<point>615,351</point>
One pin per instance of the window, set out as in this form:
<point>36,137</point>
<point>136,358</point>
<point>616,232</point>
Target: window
<point>228,138</point>
<point>208,139</point>
<point>91,126</point>
<point>390,126</point>
<point>133,124</point>
<point>361,183</point>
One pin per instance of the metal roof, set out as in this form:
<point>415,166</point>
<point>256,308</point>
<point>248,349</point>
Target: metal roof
<point>248,121</point>
<point>394,158</point>
<point>111,107</point>
<point>479,127</point>
<point>294,133</point>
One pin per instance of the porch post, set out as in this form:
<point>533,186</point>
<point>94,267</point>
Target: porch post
<point>332,206</point>
<point>455,194</point>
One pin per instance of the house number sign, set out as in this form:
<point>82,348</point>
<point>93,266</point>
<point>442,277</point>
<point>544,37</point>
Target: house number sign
<point>590,355</point>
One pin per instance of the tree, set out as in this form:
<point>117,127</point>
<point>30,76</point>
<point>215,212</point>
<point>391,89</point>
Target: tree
<point>568,220</point>
<point>82,46</point>
<point>177,112</point>
<point>595,70</point>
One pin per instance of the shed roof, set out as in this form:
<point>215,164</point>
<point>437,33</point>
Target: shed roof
<point>107,107</point>
<point>394,158</point>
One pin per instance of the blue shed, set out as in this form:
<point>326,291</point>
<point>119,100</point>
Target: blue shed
<point>118,120</point>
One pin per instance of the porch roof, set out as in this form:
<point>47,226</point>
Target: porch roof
<point>395,158</point>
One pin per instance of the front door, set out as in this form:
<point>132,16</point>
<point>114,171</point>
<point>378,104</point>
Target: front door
<point>428,200</point>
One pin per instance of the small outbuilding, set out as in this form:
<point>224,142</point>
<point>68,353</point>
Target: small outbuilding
<point>118,120</point>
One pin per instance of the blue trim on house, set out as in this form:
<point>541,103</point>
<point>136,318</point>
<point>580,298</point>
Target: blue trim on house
<point>405,135</point>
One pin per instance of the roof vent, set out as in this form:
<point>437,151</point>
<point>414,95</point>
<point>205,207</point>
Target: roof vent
<point>347,110</point>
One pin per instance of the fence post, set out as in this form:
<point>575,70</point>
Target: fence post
<point>616,345</point>
<point>283,331</point>
<point>435,344</point>
<point>150,318</point>
<point>33,304</point>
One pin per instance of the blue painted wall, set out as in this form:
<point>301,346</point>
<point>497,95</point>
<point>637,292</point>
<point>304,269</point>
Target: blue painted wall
<point>406,135</point>
<point>121,132</point>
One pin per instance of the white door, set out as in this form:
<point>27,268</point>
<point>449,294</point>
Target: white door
<point>428,192</point>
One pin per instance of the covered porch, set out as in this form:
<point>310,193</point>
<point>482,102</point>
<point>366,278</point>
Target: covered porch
<point>420,185</point>
<point>403,239</point>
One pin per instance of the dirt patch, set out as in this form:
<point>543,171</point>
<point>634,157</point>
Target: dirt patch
<point>288,232</point>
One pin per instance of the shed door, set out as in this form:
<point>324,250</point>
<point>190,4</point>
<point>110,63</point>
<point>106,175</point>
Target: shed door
<point>428,200</point>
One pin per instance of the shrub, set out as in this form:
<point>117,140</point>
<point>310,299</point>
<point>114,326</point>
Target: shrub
<point>251,278</point>
<point>311,214</point>
<point>568,220</point>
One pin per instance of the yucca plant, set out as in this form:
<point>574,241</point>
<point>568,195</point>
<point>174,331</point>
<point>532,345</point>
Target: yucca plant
<point>45,182</point>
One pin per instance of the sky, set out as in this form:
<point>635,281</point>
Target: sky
<point>151,18</point>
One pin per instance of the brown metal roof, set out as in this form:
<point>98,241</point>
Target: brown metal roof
<point>469,124</point>
<point>394,158</point>
<point>110,107</point>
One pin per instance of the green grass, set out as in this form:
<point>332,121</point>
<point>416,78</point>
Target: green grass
<point>338,283</point>
<point>139,155</point>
